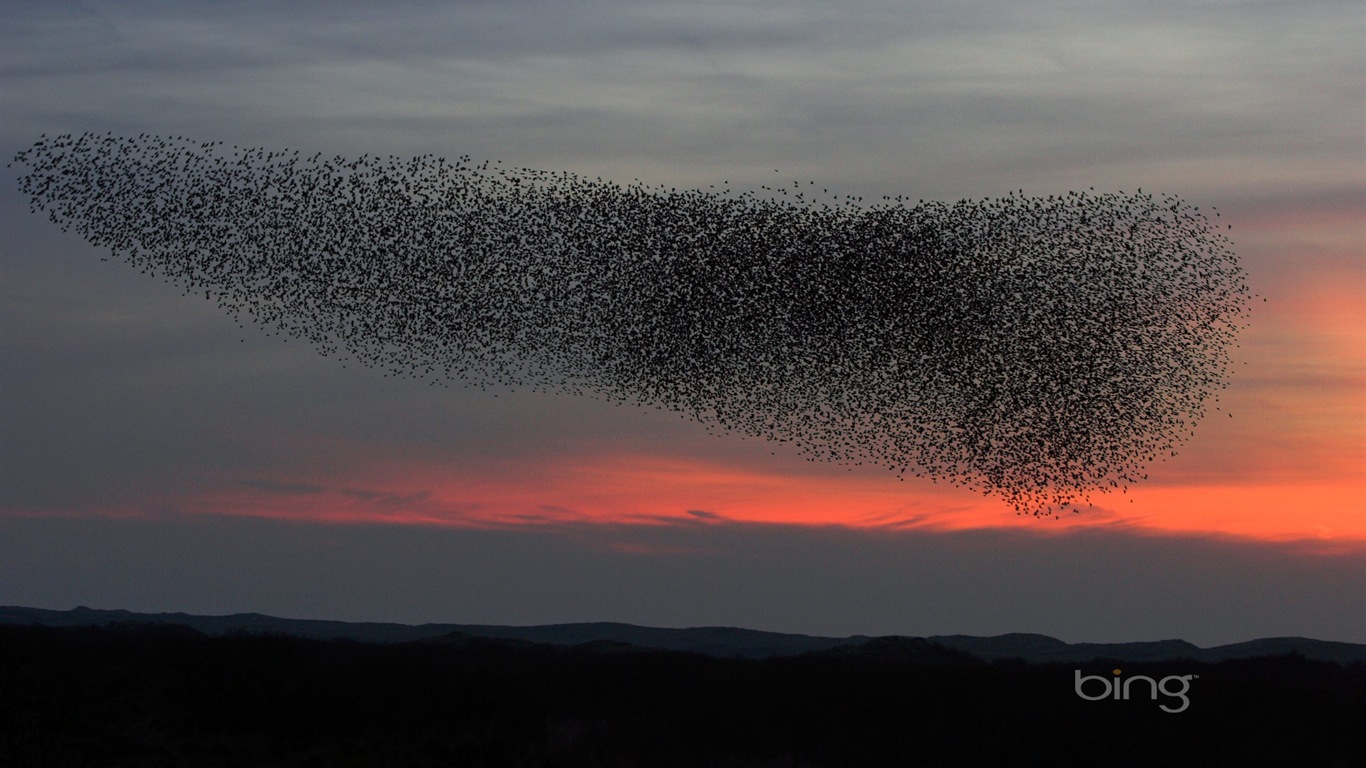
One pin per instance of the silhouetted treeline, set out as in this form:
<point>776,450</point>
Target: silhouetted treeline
<point>154,695</point>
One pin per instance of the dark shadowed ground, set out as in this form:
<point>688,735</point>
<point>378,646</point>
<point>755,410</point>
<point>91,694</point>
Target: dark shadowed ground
<point>140,694</point>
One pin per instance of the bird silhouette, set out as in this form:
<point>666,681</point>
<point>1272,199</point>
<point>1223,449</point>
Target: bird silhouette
<point>1035,348</point>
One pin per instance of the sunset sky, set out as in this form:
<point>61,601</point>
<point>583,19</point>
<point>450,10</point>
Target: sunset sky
<point>156,456</point>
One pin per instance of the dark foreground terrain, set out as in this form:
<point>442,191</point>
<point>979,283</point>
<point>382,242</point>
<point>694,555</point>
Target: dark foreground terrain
<point>161,694</point>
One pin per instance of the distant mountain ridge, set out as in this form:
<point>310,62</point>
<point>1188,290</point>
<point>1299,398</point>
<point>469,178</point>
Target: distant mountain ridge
<point>723,642</point>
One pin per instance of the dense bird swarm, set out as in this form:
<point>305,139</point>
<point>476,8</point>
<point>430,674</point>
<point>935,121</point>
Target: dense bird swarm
<point>1035,348</point>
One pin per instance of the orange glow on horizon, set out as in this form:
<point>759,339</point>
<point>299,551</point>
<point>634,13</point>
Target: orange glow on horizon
<point>651,490</point>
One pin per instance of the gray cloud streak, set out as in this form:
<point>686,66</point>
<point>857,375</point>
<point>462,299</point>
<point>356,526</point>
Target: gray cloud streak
<point>1093,586</point>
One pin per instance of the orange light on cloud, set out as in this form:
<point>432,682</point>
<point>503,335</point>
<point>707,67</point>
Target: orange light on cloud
<point>652,490</point>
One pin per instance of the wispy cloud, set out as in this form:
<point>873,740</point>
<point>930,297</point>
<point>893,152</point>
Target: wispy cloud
<point>213,446</point>
<point>1089,585</point>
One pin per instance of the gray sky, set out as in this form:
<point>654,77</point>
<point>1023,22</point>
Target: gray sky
<point>155,456</point>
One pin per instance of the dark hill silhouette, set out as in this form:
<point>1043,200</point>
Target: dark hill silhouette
<point>898,650</point>
<point>719,642</point>
<point>161,693</point>
<point>1043,648</point>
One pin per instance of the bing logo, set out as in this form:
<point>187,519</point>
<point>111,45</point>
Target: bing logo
<point>1118,688</point>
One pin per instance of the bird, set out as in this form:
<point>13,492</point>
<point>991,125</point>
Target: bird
<point>1035,348</point>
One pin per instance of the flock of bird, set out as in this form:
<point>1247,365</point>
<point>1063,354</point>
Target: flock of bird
<point>1036,348</point>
